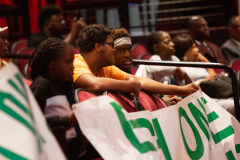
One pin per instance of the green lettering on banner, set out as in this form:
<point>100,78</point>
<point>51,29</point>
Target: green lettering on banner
<point>230,155</point>
<point>161,140</point>
<point>219,136</point>
<point>198,116</point>
<point>237,147</point>
<point>204,100</point>
<point>128,131</point>
<point>212,116</point>
<point>198,153</point>
<point>203,108</point>
<point>10,155</point>
<point>12,113</point>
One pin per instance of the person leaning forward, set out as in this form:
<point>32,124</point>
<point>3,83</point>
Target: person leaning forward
<point>94,70</point>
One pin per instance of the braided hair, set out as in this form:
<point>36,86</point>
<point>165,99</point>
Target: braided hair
<point>48,50</point>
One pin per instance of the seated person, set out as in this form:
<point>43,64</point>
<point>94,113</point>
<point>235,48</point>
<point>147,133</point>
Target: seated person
<point>3,46</point>
<point>123,56</point>
<point>231,48</point>
<point>93,68</point>
<point>186,50</point>
<point>52,24</point>
<point>198,28</point>
<point>52,71</point>
<point>160,45</point>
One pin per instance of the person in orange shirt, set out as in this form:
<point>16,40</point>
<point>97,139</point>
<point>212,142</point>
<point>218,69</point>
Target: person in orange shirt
<point>3,46</point>
<point>94,70</point>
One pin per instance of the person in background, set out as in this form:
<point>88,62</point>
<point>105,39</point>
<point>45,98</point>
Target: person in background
<point>161,47</point>
<point>198,28</point>
<point>52,71</point>
<point>3,46</point>
<point>231,48</point>
<point>123,57</point>
<point>51,23</point>
<point>94,70</point>
<point>186,50</point>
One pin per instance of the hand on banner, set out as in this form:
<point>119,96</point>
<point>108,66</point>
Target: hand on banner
<point>171,99</point>
<point>189,89</point>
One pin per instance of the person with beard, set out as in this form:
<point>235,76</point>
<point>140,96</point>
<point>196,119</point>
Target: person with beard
<point>3,46</point>
<point>198,28</point>
<point>52,24</point>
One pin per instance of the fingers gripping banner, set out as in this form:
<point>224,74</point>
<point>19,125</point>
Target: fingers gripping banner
<point>24,133</point>
<point>195,128</point>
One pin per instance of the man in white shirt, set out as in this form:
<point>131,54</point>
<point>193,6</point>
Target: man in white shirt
<point>231,48</point>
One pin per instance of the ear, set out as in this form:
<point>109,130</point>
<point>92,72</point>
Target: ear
<point>48,23</point>
<point>51,64</point>
<point>97,47</point>
<point>155,48</point>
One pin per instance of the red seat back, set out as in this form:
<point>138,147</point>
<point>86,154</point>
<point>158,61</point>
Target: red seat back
<point>27,71</point>
<point>217,70</point>
<point>124,102</point>
<point>134,70</point>
<point>27,81</point>
<point>151,102</point>
<point>235,64</point>
<point>22,62</point>
<point>138,50</point>
<point>75,50</point>
<point>146,56</point>
<point>83,94</point>
<point>18,45</point>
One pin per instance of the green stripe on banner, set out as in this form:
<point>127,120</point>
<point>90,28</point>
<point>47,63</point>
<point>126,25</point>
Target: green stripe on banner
<point>17,88</point>
<point>222,134</point>
<point>230,155</point>
<point>237,147</point>
<point>20,119</point>
<point>10,155</point>
<point>212,116</point>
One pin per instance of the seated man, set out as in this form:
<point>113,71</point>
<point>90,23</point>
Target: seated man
<point>198,28</point>
<point>93,68</point>
<point>52,24</point>
<point>231,48</point>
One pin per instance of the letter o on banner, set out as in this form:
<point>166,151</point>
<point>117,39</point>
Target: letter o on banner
<point>198,153</point>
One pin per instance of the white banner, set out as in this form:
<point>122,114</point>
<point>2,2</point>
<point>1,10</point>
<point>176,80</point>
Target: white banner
<point>24,133</point>
<point>195,128</point>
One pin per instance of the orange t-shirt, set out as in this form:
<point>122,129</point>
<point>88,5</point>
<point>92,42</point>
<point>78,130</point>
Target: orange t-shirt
<point>81,67</point>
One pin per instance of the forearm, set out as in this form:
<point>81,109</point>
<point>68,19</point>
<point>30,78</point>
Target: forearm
<point>159,88</point>
<point>70,37</point>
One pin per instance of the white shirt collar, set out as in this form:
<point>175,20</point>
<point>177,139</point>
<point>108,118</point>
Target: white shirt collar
<point>237,42</point>
<point>199,43</point>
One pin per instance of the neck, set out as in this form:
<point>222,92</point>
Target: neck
<point>165,57</point>
<point>92,60</point>
<point>200,40</point>
<point>47,32</point>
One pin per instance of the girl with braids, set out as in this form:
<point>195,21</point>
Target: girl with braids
<point>52,72</point>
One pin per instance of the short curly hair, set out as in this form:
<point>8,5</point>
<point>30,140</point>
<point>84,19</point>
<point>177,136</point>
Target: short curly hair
<point>46,13</point>
<point>90,35</point>
<point>119,33</point>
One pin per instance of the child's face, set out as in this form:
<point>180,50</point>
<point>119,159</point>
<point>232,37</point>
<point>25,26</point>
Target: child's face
<point>62,67</point>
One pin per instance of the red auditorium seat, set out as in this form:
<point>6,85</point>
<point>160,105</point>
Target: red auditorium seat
<point>217,70</point>
<point>151,102</point>
<point>138,50</point>
<point>18,45</point>
<point>75,50</point>
<point>134,70</point>
<point>21,63</point>
<point>145,56</point>
<point>235,64</point>
<point>27,71</point>
<point>126,103</point>
<point>83,94</point>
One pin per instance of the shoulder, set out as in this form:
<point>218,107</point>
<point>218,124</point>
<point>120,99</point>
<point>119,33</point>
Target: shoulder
<point>228,43</point>
<point>211,44</point>
<point>155,57</point>
<point>36,39</point>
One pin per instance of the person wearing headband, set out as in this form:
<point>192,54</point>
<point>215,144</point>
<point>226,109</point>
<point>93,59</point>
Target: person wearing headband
<point>3,46</point>
<point>94,70</point>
